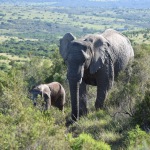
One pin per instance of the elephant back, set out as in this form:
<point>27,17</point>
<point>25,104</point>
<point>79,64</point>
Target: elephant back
<point>121,50</point>
<point>56,89</point>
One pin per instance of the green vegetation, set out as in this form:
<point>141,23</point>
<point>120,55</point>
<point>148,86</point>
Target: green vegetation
<point>141,36</point>
<point>43,22</point>
<point>138,139</point>
<point>85,141</point>
<point>29,56</point>
<point>24,126</point>
<point>25,48</point>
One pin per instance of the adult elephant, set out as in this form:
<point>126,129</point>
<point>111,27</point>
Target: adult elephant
<point>95,60</point>
<point>53,93</point>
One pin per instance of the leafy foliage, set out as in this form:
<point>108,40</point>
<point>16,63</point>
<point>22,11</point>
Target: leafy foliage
<point>26,47</point>
<point>138,139</point>
<point>85,141</point>
<point>39,70</point>
<point>142,112</point>
<point>23,126</point>
<point>131,86</point>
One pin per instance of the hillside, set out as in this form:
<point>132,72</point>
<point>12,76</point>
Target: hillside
<point>30,33</point>
<point>50,23</point>
<point>87,3</point>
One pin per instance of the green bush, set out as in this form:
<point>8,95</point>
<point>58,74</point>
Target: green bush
<point>24,129</point>
<point>131,85</point>
<point>138,139</point>
<point>37,70</point>
<point>85,141</point>
<point>142,112</point>
<point>4,67</point>
<point>3,57</point>
<point>20,124</point>
<point>23,126</point>
<point>40,70</point>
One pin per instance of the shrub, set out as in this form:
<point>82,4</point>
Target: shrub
<point>21,125</point>
<point>142,112</point>
<point>129,90</point>
<point>37,70</point>
<point>138,139</point>
<point>40,70</point>
<point>85,141</point>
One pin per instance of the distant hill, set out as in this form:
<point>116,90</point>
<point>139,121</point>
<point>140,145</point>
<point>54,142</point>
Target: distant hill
<point>139,4</point>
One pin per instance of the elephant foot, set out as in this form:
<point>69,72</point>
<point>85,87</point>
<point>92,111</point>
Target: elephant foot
<point>83,112</point>
<point>98,105</point>
<point>61,108</point>
<point>74,118</point>
<point>69,122</point>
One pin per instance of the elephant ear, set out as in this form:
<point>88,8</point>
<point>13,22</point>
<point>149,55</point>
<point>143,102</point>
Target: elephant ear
<point>99,48</point>
<point>64,44</point>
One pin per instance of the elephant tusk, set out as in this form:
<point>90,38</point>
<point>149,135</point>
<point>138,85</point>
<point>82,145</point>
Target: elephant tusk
<point>80,81</point>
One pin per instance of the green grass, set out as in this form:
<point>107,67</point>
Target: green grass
<point>98,125</point>
<point>12,59</point>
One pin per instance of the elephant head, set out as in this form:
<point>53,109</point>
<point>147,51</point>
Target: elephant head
<point>89,52</point>
<point>42,90</point>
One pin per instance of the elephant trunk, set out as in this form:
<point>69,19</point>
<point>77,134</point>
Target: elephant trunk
<point>74,91</point>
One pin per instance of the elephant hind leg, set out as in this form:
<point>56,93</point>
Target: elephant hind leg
<point>62,109</point>
<point>59,104</point>
<point>83,106</point>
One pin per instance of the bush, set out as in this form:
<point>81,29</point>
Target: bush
<point>37,70</point>
<point>3,57</point>
<point>85,141</point>
<point>138,139</point>
<point>21,125</point>
<point>40,70</point>
<point>131,85</point>
<point>142,113</point>
<point>4,67</point>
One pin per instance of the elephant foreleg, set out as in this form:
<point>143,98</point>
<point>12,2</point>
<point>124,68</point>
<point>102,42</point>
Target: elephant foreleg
<point>82,99</point>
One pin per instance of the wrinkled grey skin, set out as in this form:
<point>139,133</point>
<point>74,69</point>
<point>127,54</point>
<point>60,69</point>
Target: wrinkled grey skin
<point>95,60</point>
<point>53,93</point>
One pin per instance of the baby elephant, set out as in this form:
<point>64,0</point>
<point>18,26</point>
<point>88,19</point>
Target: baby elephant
<point>53,93</point>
